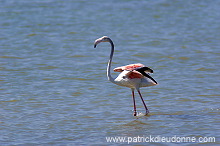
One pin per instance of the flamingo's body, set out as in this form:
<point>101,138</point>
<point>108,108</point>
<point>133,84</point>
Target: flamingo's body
<point>133,76</point>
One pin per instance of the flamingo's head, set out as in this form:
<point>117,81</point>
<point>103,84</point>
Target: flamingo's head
<point>102,39</point>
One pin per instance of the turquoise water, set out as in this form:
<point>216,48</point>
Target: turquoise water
<point>54,89</point>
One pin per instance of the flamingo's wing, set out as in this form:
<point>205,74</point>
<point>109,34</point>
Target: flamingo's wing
<point>118,69</point>
<point>134,74</point>
<point>136,71</point>
<point>129,67</point>
<point>144,69</point>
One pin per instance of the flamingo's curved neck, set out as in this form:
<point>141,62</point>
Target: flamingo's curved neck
<point>110,62</point>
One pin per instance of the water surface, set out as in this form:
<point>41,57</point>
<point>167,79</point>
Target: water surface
<point>54,89</point>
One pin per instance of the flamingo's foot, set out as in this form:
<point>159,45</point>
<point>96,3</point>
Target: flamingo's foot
<point>140,115</point>
<point>135,113</point>
<point>147,112</point>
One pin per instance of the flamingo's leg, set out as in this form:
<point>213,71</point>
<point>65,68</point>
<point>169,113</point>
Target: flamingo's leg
<point>135,112</point>
<point>147,111</point>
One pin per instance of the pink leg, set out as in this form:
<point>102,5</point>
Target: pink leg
<point>147,111</point>
<point>135,112</point>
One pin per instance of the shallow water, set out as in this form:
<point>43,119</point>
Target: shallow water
<point>54,89</point>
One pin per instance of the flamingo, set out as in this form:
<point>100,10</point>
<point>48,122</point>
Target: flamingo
<point>133,76</point>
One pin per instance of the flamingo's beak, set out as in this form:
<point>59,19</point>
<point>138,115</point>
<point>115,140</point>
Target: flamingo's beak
<point>97,42</point>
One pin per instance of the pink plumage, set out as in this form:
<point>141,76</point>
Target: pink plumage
<point>128,67</point>
<point>131,67</point>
